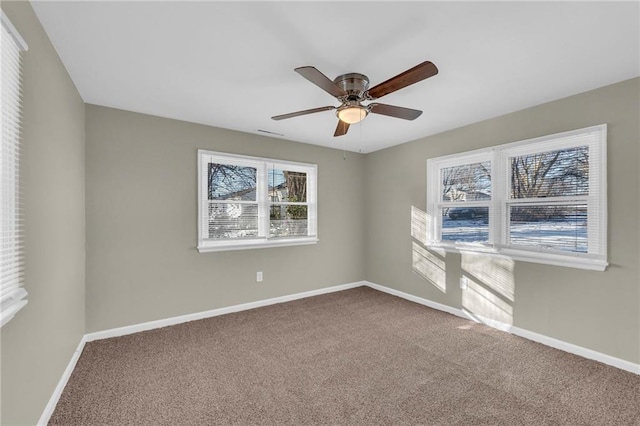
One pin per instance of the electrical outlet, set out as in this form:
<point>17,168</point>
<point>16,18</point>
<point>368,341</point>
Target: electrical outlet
<point>259,277</point>
<point>463,283</point>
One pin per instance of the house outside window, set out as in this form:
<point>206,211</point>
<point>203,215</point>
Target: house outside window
<point>251,202</point>
<point>540,200</point>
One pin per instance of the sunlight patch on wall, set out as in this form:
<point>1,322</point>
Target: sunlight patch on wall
<point>419,225</point>
<point>482,302</point>
<point>420,222</point>
<point>494,272</point>
<point>429,266</point>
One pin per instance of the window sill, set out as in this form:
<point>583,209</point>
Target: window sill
<point>9,313</point>
<point>570,261</point>
<point>256,244</point>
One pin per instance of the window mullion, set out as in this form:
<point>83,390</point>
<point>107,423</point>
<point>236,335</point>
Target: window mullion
<point>454,204</point>
<point>262,197</point>
<point>496,212</point>
<point>548,200</point>
<point>232,202</point>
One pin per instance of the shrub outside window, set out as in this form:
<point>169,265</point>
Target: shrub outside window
<point>540,200</point>
<point>250,202</point>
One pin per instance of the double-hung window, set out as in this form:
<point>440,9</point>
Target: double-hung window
<point>540,200</point>
<point>12,294</point>
<point>251,202</point>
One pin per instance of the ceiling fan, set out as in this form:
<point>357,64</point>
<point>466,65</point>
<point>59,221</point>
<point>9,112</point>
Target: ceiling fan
<point>352,89</point>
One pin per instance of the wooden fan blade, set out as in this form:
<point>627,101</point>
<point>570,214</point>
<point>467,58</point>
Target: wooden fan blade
<point>305,112</point>
<point>321,80</point>
<point>407,78</point>
<point>394,111</point>
<point>342,128</point>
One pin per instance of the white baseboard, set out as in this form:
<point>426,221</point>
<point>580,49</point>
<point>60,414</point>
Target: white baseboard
<point>417,299</point>
<point>540,338</point>
<point>130,329</point>
<point>57,392</point>
<point>577,350</point>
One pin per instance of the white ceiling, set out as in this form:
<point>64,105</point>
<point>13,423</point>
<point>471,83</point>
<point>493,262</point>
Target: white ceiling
<point>231,65</point>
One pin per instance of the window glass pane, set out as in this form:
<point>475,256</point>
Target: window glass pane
<point>230,182</point>
<point>285,185</point>
<point>556,227</point>
<point>551,174</point>
<point>468,182</point>
<point>233,220</point>
<point>288,221</point>
<point>468,224</point>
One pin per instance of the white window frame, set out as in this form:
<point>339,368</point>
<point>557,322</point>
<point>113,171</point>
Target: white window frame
<point>13,296</point>
<point>594,137</point>
<point>263,239</point>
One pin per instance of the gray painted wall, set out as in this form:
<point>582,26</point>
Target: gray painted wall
<point>596,310</point>
<point>39,342</point>
<point>141,185</point>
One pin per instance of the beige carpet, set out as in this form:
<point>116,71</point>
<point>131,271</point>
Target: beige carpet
<point>357,357</point>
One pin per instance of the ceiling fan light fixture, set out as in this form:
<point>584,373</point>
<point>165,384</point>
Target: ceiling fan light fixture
<point>352,114</point>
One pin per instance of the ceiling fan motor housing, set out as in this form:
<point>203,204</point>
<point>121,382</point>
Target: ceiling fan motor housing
<point>354,84</point>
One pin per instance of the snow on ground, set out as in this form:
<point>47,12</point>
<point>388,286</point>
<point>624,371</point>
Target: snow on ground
<point>565,234</point>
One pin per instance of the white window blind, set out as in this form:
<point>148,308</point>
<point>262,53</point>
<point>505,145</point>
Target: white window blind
<point>555,198</point>
<point>541,200</point>
<point>12,294</point>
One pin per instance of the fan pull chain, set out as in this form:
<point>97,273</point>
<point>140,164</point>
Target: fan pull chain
<point>344,149</point>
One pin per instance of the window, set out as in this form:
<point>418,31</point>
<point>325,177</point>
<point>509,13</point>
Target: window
<point>249,202</point>
<point>12,294</point>
<point>540,200</point>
